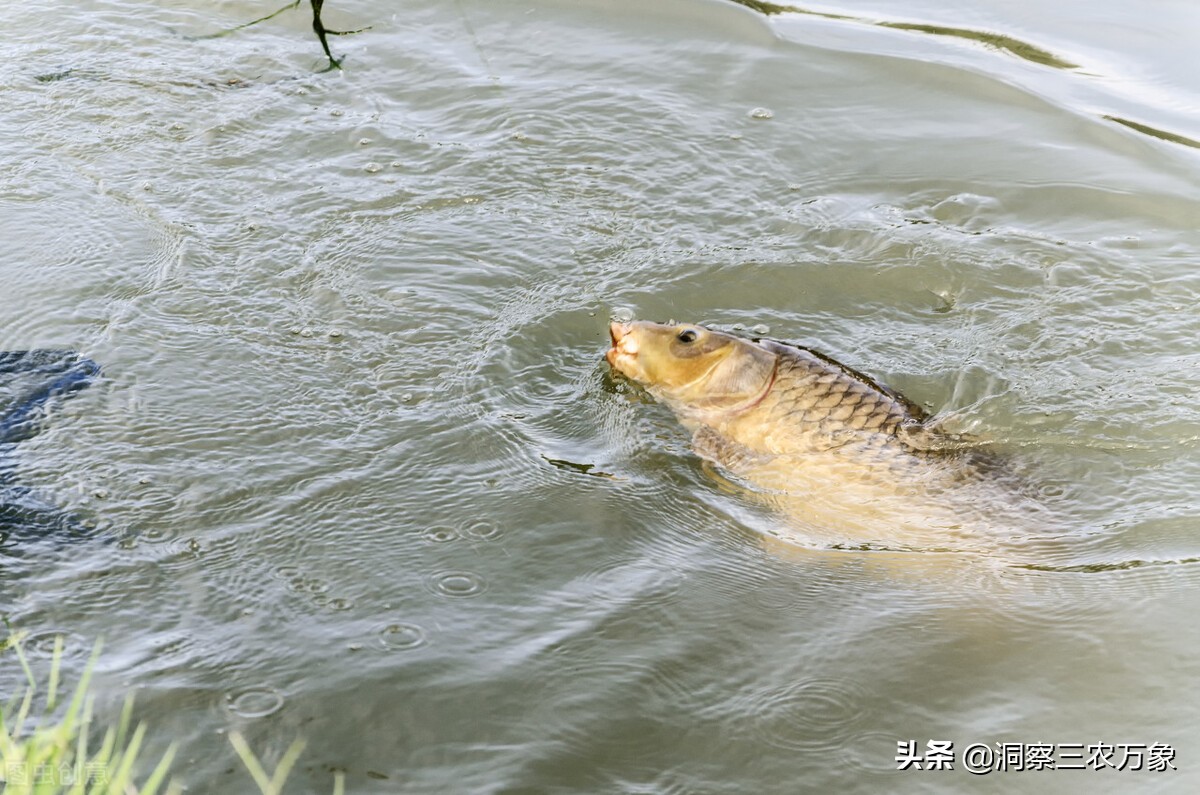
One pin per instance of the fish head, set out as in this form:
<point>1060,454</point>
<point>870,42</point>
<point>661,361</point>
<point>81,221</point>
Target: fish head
<point>689,366</point>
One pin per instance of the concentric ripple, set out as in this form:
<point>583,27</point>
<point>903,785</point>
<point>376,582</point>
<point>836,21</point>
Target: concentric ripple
<point>483,530</point>
<point>254,702</point>
<point>42,643</point>
<point>400,636</point>
<point>870,752</point>
<point>457,584</point>
<point>810,715</point>
<point>440,534</point>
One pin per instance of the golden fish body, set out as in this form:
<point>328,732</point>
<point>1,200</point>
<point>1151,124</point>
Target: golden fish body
<point>850,459</point>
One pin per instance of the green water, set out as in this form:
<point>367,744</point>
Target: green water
<point>373,486</point>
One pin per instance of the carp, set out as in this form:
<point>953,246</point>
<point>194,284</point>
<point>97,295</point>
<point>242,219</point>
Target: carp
<point>849,460</point>
<point>31,382</point>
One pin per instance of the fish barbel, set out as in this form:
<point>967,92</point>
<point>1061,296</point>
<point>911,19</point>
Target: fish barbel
<point>822,441</point>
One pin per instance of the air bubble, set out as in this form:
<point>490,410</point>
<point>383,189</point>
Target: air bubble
<point>458,584</point>
<point>312,585</point>
<point>255,702</point>
<point>43,641</point>
<point>482,529</point>
<point>761,113</point>
<point>440,535</point>
<point>156,535</point>
<point>399,637</point>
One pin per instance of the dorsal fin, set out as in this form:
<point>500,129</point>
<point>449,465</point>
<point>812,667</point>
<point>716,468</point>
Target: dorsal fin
<point>914,411</point>
<point>66,372</point>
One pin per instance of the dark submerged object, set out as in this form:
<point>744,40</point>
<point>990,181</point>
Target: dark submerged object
<point>51,375</point>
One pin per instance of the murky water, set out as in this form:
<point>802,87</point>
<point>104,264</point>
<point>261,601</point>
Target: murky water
<point>365,479</point>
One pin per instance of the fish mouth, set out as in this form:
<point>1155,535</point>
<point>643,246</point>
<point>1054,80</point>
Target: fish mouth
<point>623,354</point>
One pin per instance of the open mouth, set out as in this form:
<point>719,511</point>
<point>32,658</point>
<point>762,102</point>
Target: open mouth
<point>624,346</point>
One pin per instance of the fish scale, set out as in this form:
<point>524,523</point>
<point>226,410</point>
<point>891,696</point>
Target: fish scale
<point>816,400</point>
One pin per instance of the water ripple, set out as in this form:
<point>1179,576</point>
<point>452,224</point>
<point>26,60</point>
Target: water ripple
<point>254,702</point>
<point>457,584</point>
<point>999,41</point>
<point>812,715</point>
<point>400,636</point>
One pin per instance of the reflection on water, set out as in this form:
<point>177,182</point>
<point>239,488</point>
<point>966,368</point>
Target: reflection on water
<point>991,39</point>
<point>999,41</point>
<point>374,486</point>
<point>1160,134</point>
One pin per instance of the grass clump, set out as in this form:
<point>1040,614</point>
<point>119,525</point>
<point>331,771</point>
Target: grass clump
<point>49,754</point>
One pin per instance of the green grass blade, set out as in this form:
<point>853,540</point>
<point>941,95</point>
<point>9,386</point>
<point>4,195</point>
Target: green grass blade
<point>123,723</point>
<point>23,713</point>
<point>25,665</point>
<point>156,778</point>
<point>285,766</point>
<point>122,779</point>
<point>55,664</point>
<point>251,762</point>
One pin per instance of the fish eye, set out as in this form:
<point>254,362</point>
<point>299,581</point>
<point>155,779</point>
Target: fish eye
<point>687,336</point>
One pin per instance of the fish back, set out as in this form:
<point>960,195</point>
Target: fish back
<point>826,403</point>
